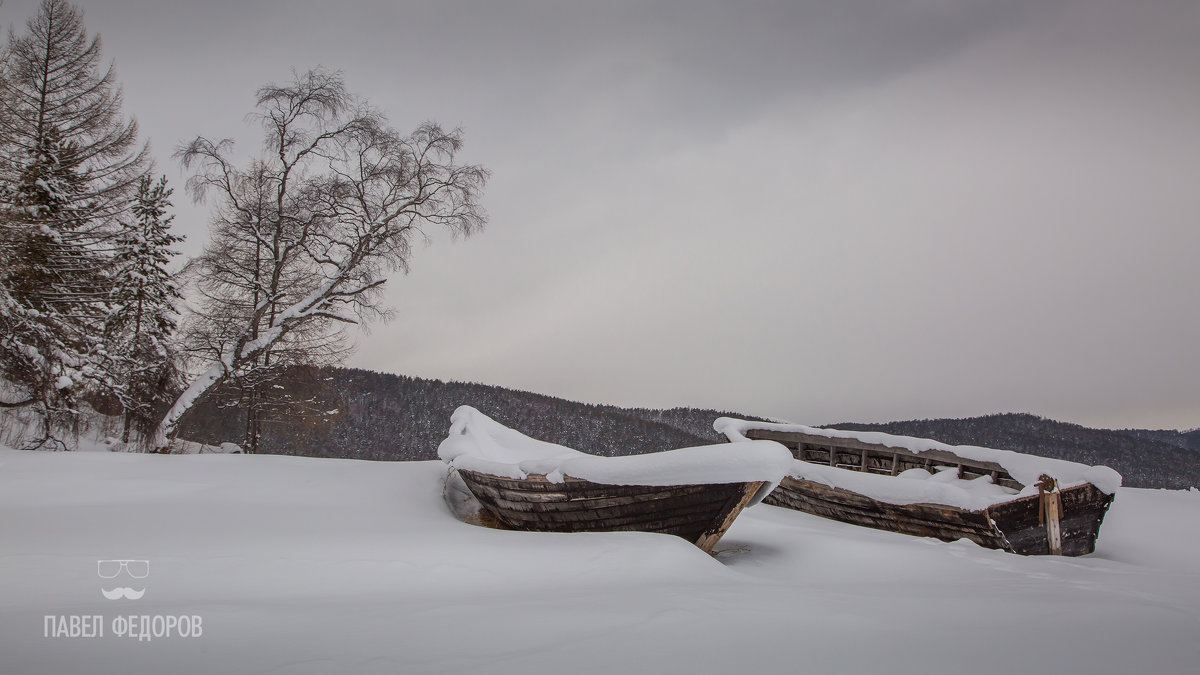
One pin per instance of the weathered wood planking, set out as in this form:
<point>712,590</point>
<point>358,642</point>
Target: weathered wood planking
<point>699,513</point>
<point>1018,526</point>
<point>1011,526</point>
<point>1081,512</point>
<point>876,458</point>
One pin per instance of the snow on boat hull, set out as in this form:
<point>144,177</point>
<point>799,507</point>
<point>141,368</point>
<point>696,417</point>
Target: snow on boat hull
<point>1013,526</point>
<point>1060,522</point>
<point>699,513</point>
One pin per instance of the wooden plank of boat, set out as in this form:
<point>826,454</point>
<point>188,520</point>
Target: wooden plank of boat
<point>1011,526</point>
<point>1060,522</point>
<point>699,513</point>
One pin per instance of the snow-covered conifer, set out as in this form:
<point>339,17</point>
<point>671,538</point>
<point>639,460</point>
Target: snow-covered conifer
<point>143,316</point>
<point>69,164</point>
<point>52,283</point>
<point>54,83</point>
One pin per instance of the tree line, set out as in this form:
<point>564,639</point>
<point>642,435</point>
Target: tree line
<point>301,240</point>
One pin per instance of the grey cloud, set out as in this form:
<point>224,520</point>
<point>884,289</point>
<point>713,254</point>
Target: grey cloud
<point>817,211</point>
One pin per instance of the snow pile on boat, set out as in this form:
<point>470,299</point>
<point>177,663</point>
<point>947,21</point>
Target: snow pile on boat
<point>917,486</point>
<point>476,442</point>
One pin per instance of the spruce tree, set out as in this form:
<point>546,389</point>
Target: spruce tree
<point>143,317</point>
<point>52,286</point>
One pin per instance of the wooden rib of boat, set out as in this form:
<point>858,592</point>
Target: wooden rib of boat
<point>699,513</point>
<point>1054,521</point>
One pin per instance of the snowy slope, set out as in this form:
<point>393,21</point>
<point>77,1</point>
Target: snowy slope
<point>336,566</point>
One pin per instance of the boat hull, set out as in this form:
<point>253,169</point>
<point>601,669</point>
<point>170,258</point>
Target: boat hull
<point>1070,517</point>
<point>1017,526</point>
<point>699,513</point>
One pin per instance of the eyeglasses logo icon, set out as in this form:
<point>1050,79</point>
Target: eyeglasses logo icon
<point>111,569</point>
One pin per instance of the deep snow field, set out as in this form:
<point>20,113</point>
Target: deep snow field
<point>320,566</point>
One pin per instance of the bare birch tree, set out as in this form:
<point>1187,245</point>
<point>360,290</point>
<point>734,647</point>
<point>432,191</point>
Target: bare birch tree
<point>333,204</point>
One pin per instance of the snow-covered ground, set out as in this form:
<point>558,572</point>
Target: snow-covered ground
<point>334,566</point>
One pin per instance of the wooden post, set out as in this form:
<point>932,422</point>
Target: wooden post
<point>1053,529</point>
<point>1051,509</point>
<point>832,455</point>
<point>710,537</point>
<point>863,467</point>
<point>895,463</point>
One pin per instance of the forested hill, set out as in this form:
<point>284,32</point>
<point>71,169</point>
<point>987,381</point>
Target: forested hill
<point>366,415</point>
<point>1144,458</point>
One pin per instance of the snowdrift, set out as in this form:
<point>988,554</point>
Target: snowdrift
<point>305,566</point>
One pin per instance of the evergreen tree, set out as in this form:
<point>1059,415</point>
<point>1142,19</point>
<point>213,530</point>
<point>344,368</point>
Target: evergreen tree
<point>69,164</point>
<point>53,83</point>
<point>143,316</point>
<point>51,281</point>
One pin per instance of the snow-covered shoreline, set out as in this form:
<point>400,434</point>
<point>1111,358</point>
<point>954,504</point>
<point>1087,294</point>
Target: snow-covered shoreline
<point>317,566</point>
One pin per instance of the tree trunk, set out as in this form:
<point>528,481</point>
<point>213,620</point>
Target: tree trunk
<point>169,425</point>
<point>250,443</point>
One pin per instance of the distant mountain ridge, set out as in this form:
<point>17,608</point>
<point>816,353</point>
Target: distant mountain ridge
<point>1184,439</point>
<point>362,414</point>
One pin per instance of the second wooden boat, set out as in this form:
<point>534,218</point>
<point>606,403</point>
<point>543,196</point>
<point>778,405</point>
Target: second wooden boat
<point>996,498</point>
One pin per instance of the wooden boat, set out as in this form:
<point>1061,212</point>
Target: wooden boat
<point>525,484</point>
<point>1032,505</point>
<point>699,513</point>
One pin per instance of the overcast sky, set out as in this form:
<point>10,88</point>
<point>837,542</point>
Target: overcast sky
<point>818,211</point>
